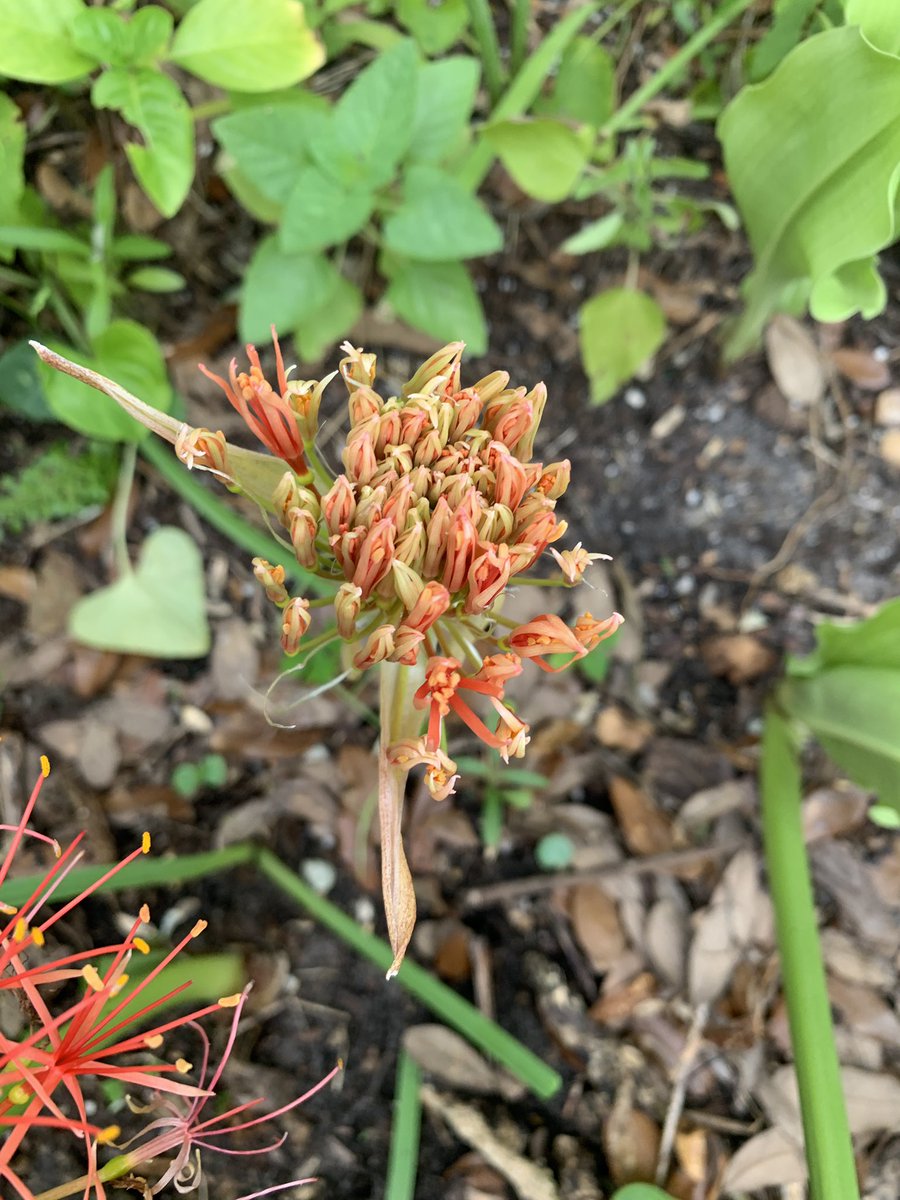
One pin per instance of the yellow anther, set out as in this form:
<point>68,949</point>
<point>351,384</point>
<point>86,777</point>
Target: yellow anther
<point>118,985</point>
<point>37,935</point>
<point>45,765</point>
<point>198,928</point>
<point>18,1094</point>
<point>182,1066</point>
<point>144,913</point>
<point>230,1001</point>
<point>91,976</point>
<point>8,910</point>
<point>153,1041</point>
<point>20,931</point>
<point>140,944</point>
<point>145,842</point>
<point>108,1135</point>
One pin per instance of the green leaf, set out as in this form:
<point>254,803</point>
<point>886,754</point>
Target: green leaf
<point>331,321</point>
<point>156,279</point>
<point>814,173</point>
<point>878,21</point>
<point>126,352</point>
<point>435,26</point>
<point>543,156</point>
<point>585,88</point>
<point>554,852</point>
<point>12,158</point>
<point>596,235</point>
<point>37,43</point>
<point>640,1191</point>
<point>371,126</point>
<point>247,45</point>
<point>282,289</point>
<point>20,385</point>
<point>788,20</point>
<point>164,164</point>
<point>620,329</point>
<point>48,241</point>
<point>99,33</point>
<point>133,246</point>
<point>149,31</point>
<point>874,642</point>
<point>269,143</point>
<point>439,220</point>
<point>158,609</point>
<point>185,779</point>
<point>321,212</point>
<point>440,299</point>
<point>445,94</point>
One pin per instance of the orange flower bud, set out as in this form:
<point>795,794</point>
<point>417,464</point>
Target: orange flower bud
<point>399,502</point>
<point>359,458</point>
<point>524,447</point>
<point>272,580</point>
<point>488,576</point>
<point>462,545</point>
<point>428,449</point>
<point>546,634</point>
<point>590,632</point>
<point>406,645</point>
<point>410,546</point>
<point>412,423</point>
<point>388,433</point>
<point>204,450</point>
<point>436,538</point>
<point>441,368</point>
<point>379,646</point>
<point>347,604</point>
<point>511,479</point>
<point>339,505</point>
<point>305,399</point>
<point>375,556</point>
<point>467,405</point>
<point>408,584</point>
<point>555,479</point>
<point>364,404</point>
<point>295,620</point>
<point>303,528</point>
<point>431,604</point>
<point>370,505</point>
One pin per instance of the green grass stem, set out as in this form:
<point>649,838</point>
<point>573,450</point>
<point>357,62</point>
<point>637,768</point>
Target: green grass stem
<point>482,22</point>
<point>404,1155</point>
<point>829,1149</point>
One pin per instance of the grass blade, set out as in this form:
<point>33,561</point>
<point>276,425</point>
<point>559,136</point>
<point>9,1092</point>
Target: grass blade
<point>404,1156</point>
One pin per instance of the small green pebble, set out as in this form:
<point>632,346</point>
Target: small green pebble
<point>554,852</point>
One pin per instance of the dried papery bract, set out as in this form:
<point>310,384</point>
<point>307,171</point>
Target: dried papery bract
<point>437,512</point>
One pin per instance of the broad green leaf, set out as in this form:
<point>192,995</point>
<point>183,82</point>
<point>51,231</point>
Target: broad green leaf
<point>874,642</point>
<point>878,20</point>
<point>269,143</point>
<point>321,212</point>
<point>12,157</point>
<point>640,1191</point>
<point>248,195</point>
<point>585,87</point>
<point>543,156</point>
<point>445,94</point>
<point>133,246</point>
<point>156,279</point>
<point>158,609</point>
<point>36,42</point>
<point>247,45</point>
<point>439,220</point>
<point>620,329</point>
<point>371,125</point>
<point>48,241</point>
<point>438,298</point>
<point>282,289</point>
<point>788,20</point>
<point>435,26</point>
<point>332,321</point>
<point>164,164</point>
<point>20,384</point>
<point>100,33</point>
<point>149,31</point>
<point>814,172</point>
<point>596,235</point>
<point>854,711</point>
<point>126,352</point>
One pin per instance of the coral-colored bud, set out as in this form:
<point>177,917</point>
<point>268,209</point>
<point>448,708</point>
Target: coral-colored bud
<point>511,480</point>
<point>406,645</point>
<point>412,423</point>
<point>408,584</point>
<point>543,530</point>
<point>347,605</point>
<point>399,458</point>
<point>536,399</point>
<point>205,451</point>
<point>379,646</point>
<point>410,546</point>
<point>305,399</point>
<point>295,620</point>
<point>388,433</point>
<point>359,458</point>
<point>497,670</point>
<point>364,403</point>
<point>462,545</point>
<point>467,409</point>
<point>555,479</point>
<point>428,449</point>
<point>440,774</point>
<point>272,580</point>
<point>339,505</point>
<point>375,556</point>
<point>370,506</point>
<point>399,502</point>
<point>495,524</point>
<point>440,369</point>
<point>436,538</point>
<point>488,576</point>
<point>303,529</point>
<point>514,423</point>
<point>590,632</point>
<point>346,548</point>
<point>546,634</point>
<point>431,604</point>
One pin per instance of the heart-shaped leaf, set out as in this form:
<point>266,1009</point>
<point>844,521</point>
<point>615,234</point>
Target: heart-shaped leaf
<point>158,609</point>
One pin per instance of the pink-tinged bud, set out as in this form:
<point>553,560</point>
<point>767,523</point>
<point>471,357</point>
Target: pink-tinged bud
<point>436,541</point>
<point>520,558</point>
<point>303,528</point>
<point>467,405</point>
<point>386,476</point>
<point>364,404</point>
<point>514,423</point>
<point>456,489</point>
<point>205,451</point>
<point>406,645</point>
<point>347,604</point>
<point>513,734</point>
<point>546,634</point>
<point>359,458</point>
<point>488,576</point>
<point>412,423</point>
<point>462,545</point>
<point>410,547</point>
<point>399,502</point>
<point>555,479</point>
<point>358,368</point>
<point>272,580</point>
<point>286,496</point>
<point>496,407</point>
<point>591,632</point>
<point>339,505</point>
<point>495,524</point>
<point>496,670</point>
<point>379,646</point>
<point>388,431</point>
<point>346,548</point>
<point>440,775</point>
<point>524,447</point>
<point>428,449</point>
<point>375,556</point>
<point>531,507</point>
<point>407,583</point>
<point>295,620</point>
<point>574,563</point>
<point>431,604</point>
<point>543,530</point>
<point>511,480</point>
<point>440,369</point>
<point>305,399</point>
<point>400,458</point>
<point>370,505</point>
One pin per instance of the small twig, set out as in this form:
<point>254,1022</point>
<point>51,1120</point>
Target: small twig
<point>533,885</point>
<point>676,1103</point>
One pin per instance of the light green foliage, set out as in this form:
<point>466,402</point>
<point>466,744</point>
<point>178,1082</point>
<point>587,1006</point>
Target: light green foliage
<point>847,692</point>
<point>554,852</point>
<point>585,86</point>
<point>878,20</point>
<point>126,352</point>
<point>789,18</point>
<point>640,1191</point>
<point>157,609</point>
<point>500,786</point>
<point>12,155</point>
<point>20,385</point>
<point>103,35</point>
<point>435,26</point>
<point>189,778</point>
<point>247,45</point>
<point>544,156</point>
<point>814,171</point>
<point>375,158</point>
<point>619,330</point>
<point>37,42</point>
<point>56,484</point>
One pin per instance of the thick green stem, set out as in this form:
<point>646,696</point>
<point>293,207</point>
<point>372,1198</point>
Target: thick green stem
<point>829,1149</point>
<point>119,515</point>
<point>482,22</point>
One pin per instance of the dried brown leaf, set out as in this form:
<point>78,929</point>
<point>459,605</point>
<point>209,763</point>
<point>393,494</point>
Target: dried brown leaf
<point>396,878</point>
<point>724,929</point>
<point>621,730</point>
<point>862,368</point>
<point>454,1062</point>
<point>770,1159</point>
<point>665,940</point>
<point>596,925</point>
<point>645,828</point>
<point>887,407</point>
<point>630,1139</point>
<point>795,361</point>
<point>739,657</point>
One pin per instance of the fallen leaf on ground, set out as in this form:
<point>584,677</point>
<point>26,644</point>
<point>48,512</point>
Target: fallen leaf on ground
<point>630,1139</point>
<point>234,662</point>
<point>770,1159</point>
<point>862,368</point>
<point>887,407</point>
<point>622,730</point>
<point>724,929</point>
<point>645,829</point>
<point>829,812</point>
<point>795,361</point>
<point>613,1008</point>
<point>665,940</point>
<point>454,1062</point>
<point>596,925</point>
<point>17,583</point>
<point>739,657</point>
